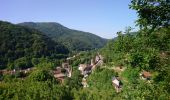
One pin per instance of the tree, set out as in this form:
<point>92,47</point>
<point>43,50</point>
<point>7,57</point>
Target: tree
<point>152,13</point>
<point>40,75</point>
<point>22,63</point>
<point>74,81</point>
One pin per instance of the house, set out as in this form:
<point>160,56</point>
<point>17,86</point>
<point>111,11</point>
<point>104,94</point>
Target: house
<point>98,57</point>
<point>82,67</point>
<point>68,69</point>
<point>69,58</point>
<point>92,62</point>
<point>58,74</point>
<point>87,70</point>
<point>65,65</point>
<point>68,72</point>
<point>60,77</point>
<point>145,75</point>
<point>57,70</point>
<point>116,83</point>
<point>61,72</point>
<point>25,71</point>
<point>99,60</point>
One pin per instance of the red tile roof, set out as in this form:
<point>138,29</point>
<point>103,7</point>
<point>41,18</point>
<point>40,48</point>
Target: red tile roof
<point>146,74</point>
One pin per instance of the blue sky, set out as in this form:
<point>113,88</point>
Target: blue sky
<point>101,17</point>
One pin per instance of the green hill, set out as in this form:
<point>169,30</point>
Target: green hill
<point>73,39</point>
<point>19,45</point>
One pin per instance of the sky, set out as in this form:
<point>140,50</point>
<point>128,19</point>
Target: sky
<point>100,17</point>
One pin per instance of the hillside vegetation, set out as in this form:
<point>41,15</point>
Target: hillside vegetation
<point>19,46</point>
<point>72,39</point>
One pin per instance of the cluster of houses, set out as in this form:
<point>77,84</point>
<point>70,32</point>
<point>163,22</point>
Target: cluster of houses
<point>65,70</point>
<point>86,69</point>
<point>69,58</point>
<point>14,71</point>
<point>61,72</point>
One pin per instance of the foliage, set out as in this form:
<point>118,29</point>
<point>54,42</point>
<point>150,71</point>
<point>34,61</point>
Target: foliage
<point>152,13</point>
<point>101,79</point>
<point>40,75</point>
<point>75,81</point>
<point>132,75</point>
<point>33,90</point>
<point>19,45</point>
<point>139,52</point>
<point>145,91</point>
<point>100,86</point>
<point>40,84</point>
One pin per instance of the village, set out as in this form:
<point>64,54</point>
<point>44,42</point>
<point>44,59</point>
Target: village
<point>66,70</point>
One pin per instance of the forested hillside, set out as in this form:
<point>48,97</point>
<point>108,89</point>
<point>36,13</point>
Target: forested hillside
<point>73,39</point>
<point>20,45</point>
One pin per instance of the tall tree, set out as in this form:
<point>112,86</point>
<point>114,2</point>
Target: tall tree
<point>152,13</point>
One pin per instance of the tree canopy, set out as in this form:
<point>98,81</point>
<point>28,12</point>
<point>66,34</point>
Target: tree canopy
<point>19,45</point>
<point>152,13</point>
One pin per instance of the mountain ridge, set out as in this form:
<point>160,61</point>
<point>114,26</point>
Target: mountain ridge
<point>71,38</point>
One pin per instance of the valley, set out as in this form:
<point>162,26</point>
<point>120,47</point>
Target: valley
<point>47,61</point>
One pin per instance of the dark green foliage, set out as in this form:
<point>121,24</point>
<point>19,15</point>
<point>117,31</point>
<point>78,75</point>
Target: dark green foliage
<point>147,50</point>
<point>33,90</point>
<point>75,81</point>
<point>145,91</point>
<point>100,87</point>
<point>152,13</point>
<point>73,39</point>
<point>142,52</point>
<point>118,48</point>
<point>40,84</point>
<point>132,75</point>
<point>40,75</point>
<point>139,50</point>
<point>22,63</point>
<point>101,79</point>
<point>18,45</point>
